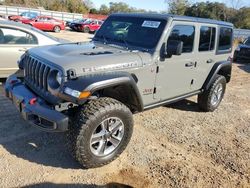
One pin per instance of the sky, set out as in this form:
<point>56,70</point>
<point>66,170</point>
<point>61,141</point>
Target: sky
<point>159,5</point>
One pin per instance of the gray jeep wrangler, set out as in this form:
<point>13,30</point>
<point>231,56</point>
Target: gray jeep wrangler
<point>135,62</point>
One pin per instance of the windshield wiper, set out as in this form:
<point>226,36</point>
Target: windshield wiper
<point>125,42</point>
<point>104,39</point>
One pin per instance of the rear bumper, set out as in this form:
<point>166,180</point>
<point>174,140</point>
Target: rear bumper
<point>34,109</point>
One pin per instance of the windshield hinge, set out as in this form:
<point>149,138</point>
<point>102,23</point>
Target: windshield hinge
<point>154,90</point>
<point>157,69</point>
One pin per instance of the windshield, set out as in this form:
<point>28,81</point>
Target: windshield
<point>132,31</point>
<point>247,42</point>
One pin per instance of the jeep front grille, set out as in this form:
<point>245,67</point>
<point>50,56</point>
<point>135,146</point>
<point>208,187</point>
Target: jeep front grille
<point>36,73</point>
<point>36,78</point>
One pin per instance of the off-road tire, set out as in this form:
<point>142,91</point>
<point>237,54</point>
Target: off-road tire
<point>57,29</point>
<point>85,121</point>
<point>86,29</point>
<point>205,98</point>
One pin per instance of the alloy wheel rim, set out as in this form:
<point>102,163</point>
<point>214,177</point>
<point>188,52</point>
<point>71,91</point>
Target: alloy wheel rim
<point>217,94</point>
<point>107,136</point>
<point>57,29</point>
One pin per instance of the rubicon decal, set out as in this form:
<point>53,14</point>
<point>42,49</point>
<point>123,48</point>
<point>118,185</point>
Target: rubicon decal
<point>112,67</point>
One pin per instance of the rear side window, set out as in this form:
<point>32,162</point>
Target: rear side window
<point>225,39</point>
<point>207,38</point>
<point>13,36</point>
<point>184,33</point>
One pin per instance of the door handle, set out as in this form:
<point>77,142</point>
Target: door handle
<point>190,64</point>
<point>210,61</point>
<point>22,49</point>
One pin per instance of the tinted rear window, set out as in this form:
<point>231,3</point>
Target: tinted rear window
<point>207,38</point>
<point>225,39</point>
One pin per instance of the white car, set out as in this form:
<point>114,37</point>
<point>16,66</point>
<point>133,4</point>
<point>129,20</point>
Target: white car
<point>15,39</point>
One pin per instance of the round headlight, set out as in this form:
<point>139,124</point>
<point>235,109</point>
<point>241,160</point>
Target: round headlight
<point>55,79</point>
<point>59,78</point>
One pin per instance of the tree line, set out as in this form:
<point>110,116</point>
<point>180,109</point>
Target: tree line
<point>240,17</point>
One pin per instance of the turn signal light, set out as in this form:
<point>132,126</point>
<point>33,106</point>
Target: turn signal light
<point>84,95</point>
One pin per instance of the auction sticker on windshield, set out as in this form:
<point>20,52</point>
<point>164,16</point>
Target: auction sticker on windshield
<point>151,24</point>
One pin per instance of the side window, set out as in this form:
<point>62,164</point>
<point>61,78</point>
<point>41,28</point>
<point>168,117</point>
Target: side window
<point>15,37</point>
<point>184,33</point>
<point>225,39</point>
<point>207,38</point>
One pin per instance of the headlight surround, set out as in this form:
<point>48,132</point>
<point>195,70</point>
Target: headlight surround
<point>55,79</point>
<point>21,62</point>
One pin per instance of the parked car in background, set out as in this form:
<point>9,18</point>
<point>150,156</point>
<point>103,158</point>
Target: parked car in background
<point>23,16</point>
<point>242,52</point>
<point>46,23</point>
<point>15,39</point>
<point>87,26</point>
<point>68,23</point>
<point>2,17</point>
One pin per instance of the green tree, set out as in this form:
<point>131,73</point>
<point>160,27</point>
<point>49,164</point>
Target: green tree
<point>104,9</point>
<point>242,18</point>
<point>177,6</point>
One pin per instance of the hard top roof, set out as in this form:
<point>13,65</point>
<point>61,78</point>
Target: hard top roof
<point>15,24</point>
<point>174,17</point>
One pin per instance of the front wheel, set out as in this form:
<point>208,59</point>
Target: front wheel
<point>57,29</point>
<point>101,131</point>
<point>86,30</point>
<point>210,99</point>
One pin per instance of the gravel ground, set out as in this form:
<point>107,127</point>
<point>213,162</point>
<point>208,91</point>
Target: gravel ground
<point>172,146</point>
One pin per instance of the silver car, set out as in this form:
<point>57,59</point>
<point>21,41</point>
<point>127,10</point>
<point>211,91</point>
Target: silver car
<point>15,39</point>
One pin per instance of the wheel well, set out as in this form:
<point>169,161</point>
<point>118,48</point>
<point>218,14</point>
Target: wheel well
<point>226,72</point>
<point>123,93</point>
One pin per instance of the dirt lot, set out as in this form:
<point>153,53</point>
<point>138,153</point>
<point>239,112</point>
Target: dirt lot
<point>172,146</point>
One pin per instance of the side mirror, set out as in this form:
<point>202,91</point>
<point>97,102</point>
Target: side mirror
<point>174,47</point>
<point>36,20</point>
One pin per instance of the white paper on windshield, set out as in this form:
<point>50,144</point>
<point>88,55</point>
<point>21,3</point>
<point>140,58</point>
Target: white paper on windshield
<point>151,24</point>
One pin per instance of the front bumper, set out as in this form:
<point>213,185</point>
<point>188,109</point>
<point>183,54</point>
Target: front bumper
<point>34,109</point>
<point>241,55</point>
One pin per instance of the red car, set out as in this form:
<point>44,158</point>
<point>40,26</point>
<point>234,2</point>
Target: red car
<point>46,23</point>
<point>87,26</point>
<point>23,16</point>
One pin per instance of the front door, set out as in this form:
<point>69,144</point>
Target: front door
<point>176,74</point>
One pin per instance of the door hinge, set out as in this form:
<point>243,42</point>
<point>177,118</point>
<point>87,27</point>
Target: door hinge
<point>157,69</point>
<point>154,90</point>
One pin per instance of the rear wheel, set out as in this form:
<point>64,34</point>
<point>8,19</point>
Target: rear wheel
<point>210,99</point>
<point>57,29</point>
<point>86,30</point>
<point>100,132</point>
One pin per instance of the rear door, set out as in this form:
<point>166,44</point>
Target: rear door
<point>207,36</point>
<point>40,23</point>
<point>13,43</point>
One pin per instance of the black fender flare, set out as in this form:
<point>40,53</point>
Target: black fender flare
<point>224,68</point>
<point>99,81</point>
